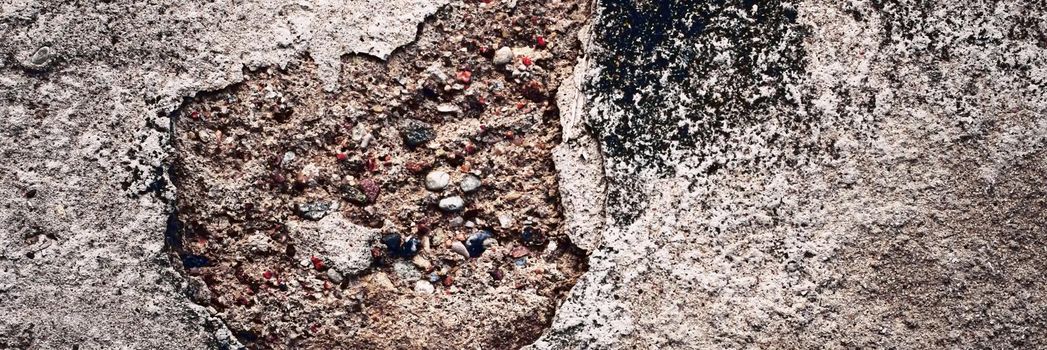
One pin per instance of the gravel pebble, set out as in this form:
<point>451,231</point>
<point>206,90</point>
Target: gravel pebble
<point>424,287</point>
<point>504,55</point>
<point>459,248</point>
<point>334,276</point>
<point>314,211</point>
<point>416,133</point>
<point>437,180</point>
<point>470,183</point>
<point>475,243</point>
<point>452,204</point>
<point>448,108</point>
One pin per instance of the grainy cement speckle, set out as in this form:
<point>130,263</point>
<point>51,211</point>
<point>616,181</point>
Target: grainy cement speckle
<point>812,174</point>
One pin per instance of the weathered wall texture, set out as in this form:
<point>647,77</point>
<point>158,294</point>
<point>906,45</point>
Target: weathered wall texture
<point>863,174</point>
<point>85,130</point>
<point>860,174</point>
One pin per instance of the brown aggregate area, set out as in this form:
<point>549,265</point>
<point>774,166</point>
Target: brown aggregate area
<point>238,189</point>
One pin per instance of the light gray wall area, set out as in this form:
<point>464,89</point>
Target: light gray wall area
<point>868,175</point>
<point>85,126</point>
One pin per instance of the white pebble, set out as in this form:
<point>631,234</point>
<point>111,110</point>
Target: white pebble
<point>437,180</point>
<point>448,108</point>
<point>503,55</point>
<point>470,183</point>
<point>459,248</point>
<point>452,203</point>
<point>424,287</point>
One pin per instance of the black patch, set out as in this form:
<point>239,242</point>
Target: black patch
<point>682,75</point>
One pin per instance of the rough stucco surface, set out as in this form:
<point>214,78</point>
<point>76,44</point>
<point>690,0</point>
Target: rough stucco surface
<point>862,174</point>
<point>87,131</point>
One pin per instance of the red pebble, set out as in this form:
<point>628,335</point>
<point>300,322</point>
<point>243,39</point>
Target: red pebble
<point>372,164</point>
<point>341,156</point>
<point>416,167</point>
<point>540,40</point>
<point>470,148</point>
<point>465,76</point>
<point>526,61</point>
<point>370,188</point>
<point>448,280</point>
<point>317,263</point>
<point>267,274</point>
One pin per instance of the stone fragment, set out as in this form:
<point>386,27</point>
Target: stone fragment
<point>421,262</point>
<point>460,249</point>
<point>437,180</point>
<point>447,108</point>
<point>314,211</point>
<point>346,246</point>
<point>504,55</point>
<point>451,204</point>
<point>475,243</point>
<point>416,133</point>
<point>424,287</point>
<point>470,183</point>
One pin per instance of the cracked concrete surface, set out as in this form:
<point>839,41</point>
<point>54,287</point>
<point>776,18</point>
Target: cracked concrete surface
<point>860,174</point>
<point>86,131</point>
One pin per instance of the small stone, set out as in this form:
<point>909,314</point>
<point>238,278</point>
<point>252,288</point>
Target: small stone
<point>392,242</point>
<point>416,133</point>
<point>497,274</point>
<point>448,108</point>
<point>41,56</point>
<point>504,55</point>
<point>422,263</point>
<point>470,183</point>
<point>318,263</point>
<point>459,248</point>
<point>366,141</point>
<point>519,252</point>
<point>437,180</point>
<point>398,247</point>
<point>424,287</point>
<point>464,76</point>
<point>287,159</point>
<point>416,167</point>
<point>456,221</point>
<point>505,220</point>
<point>382,281</point>
<point>410,248</point>
<point>314,211</point>
<point>450,204</point>
<point>353,194</point>
<point>370,189</point>
<point>475,243</point>
<point>334,276</point>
